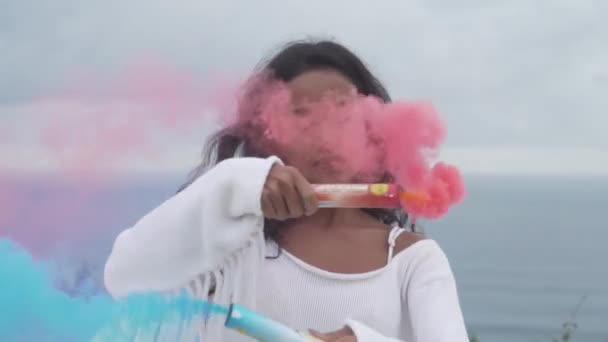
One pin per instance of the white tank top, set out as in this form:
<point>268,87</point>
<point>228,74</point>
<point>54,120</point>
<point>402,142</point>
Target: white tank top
<point>306,297</point>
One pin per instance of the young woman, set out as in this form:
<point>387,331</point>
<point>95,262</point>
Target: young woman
<point>247,229</point>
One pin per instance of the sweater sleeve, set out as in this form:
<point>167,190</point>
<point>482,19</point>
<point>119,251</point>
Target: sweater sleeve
<point>192,232</point>
<point>431,299</point>
<point>364,333</point>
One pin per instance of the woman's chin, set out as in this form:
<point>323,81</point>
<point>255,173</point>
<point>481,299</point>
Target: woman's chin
<point>328,173</point>
<point>334,178</point>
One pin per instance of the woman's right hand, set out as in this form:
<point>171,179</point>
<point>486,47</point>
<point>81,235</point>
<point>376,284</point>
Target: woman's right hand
<point>287,194</point>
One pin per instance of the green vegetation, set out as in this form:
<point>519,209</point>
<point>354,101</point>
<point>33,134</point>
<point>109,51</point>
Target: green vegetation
<point>568,328</point>
<point>566,334</point>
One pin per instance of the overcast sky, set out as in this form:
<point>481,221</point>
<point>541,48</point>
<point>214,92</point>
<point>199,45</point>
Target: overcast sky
<point>508,76</point>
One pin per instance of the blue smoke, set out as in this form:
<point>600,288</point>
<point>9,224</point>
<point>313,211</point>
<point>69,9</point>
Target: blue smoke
<point>33,309</point>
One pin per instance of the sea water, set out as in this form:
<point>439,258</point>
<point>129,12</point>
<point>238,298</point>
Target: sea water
<point>529,253</point>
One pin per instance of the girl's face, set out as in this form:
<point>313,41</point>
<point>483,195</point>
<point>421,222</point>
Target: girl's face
<point>323,136</point>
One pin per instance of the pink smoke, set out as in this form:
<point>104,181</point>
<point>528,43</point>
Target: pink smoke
<point>364,134</point>
<point>94,125</point>
<point>412,134</point>
<point>97,123</point>
<point>11,202</point>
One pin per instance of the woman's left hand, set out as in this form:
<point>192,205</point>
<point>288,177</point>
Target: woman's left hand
<point>343,335</point>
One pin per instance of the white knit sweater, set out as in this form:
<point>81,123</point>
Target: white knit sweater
<point>210,235</point>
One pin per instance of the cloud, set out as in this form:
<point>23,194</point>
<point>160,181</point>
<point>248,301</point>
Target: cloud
<point>503,74</point>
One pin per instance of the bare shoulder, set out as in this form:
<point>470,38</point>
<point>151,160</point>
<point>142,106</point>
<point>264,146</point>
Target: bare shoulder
<point>406,240</point>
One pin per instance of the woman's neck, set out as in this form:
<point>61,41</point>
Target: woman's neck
<point>338,240</point>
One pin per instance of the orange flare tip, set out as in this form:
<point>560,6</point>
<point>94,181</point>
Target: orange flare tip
<point>414,197</point>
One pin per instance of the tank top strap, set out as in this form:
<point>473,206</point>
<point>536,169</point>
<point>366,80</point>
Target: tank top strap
<point>392,239</point>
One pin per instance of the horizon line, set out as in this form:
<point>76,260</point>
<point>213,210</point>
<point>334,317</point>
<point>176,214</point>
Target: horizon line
<point>181,160</point>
